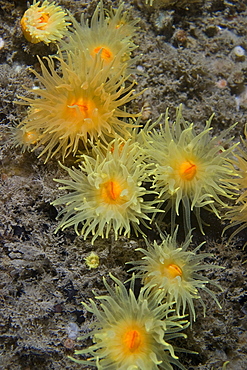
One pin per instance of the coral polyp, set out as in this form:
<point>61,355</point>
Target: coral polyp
<point>92,260</point>
<point>192,170</point>
<point>76,104</point>
<point>24,139</point>
<point>174,270</point>
<point>237,214</point>
<point>131,333</point>
<point>106,193</point>
<point>45,22</point>
<point>109,36</point>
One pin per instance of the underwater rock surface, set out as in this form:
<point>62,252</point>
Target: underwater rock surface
<point>187,54</point>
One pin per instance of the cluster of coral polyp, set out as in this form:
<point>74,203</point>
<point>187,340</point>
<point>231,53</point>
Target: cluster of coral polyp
<point>85,99</point>
<point>128,173</point>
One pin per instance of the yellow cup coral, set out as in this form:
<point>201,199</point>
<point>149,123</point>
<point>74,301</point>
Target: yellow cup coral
<point>131,333</point>
<point>76,104</point>
<point>111,37</point>
<point>47,22</point>
<point>238,212</point>
<point>174,271</point>
<point>107,193</point>
<point>192,170</point>
<point>24,139</point>
<point>92,260</point>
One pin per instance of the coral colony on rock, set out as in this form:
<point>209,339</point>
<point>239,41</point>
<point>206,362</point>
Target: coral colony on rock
<point>129,178</point>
